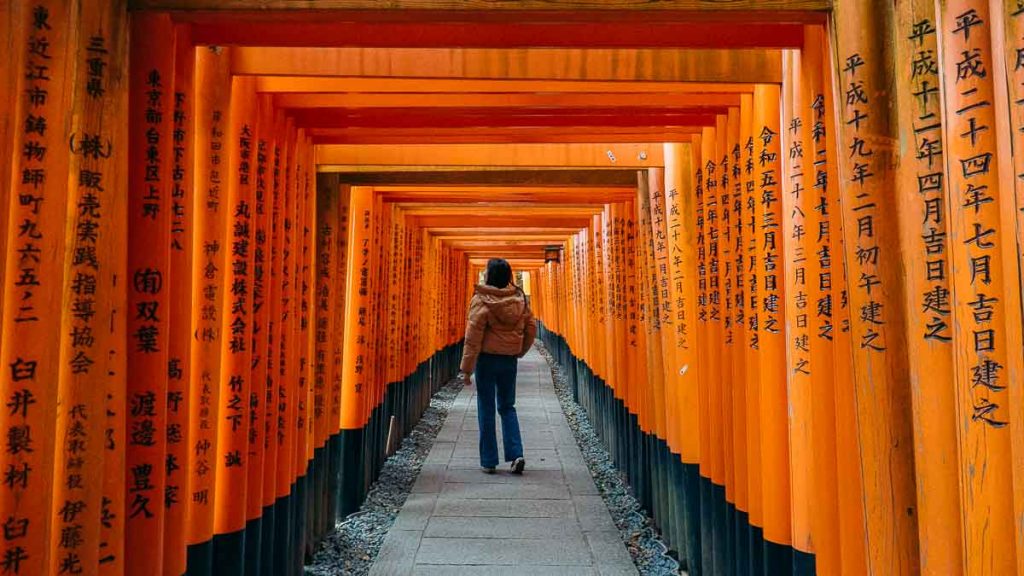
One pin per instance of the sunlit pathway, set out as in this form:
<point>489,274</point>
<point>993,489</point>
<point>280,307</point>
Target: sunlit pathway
<point>459,519</point>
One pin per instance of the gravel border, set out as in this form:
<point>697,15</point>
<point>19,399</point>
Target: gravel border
<point>355,542</point>
<point>635,527</point>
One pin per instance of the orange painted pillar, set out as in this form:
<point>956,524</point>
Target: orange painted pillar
<point>728,128</point>
<point>924,218</point>
<point>92,352</point>
<point>212,100</point>
<point>681,235</point>
<point>821,219</point>
<point>768,181</point>
<point>979,286</point>
<point>151,110</point>
<point>801,289</point>
<point>235,380</point>
<point>880,372</point>
<point>34,283</point>
<point>180,310</point>
<point>753,263</point>
<point>12,41</point>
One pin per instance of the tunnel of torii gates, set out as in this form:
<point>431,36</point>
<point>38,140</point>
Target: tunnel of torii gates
<point>775,246</point>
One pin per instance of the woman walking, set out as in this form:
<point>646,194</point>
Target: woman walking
<point>500,330</point>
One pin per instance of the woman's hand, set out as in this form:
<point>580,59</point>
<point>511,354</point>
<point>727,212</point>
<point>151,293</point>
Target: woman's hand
<point>464,376</point>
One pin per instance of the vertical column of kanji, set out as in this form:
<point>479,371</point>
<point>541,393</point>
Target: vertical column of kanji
<point>923,215</point>
<point>180,305</point>
<point>235,380</point>
<point>820,282</point>
<point>977,245</point>
<point>212,99</point>
<point>608,312</point>
<point>324,334</point>
<point>681,233</point>
<point>12,42</point>
<point>286,377</point>
<point>637,362</point>
<point>797,204</point>
<point>304,420</point>
<point>703,526</point>
<point>272,430</point>
<point>259,406</point>
<point>714,546</point>
<point>772,340</point>
<point>729,134</point>
<point>663,308</point>
<point>852,539</point>
<point>151,160</point>
<point>1009,70</point>
<point>94,257</point>
<point>307,307</point>
<point>879,345</point>
<point>752,334</point>
<point>354,379</point>
<point>34,277</point>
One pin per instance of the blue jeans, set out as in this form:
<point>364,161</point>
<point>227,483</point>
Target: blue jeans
<point>496,383</point>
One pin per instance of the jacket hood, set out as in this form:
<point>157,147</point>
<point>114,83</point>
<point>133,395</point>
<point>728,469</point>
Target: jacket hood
<point>506,304</point>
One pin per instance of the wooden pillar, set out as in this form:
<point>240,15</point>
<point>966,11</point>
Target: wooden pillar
<point>768,180</point>
<point>866,180</point>
<point>92,350</point>
<point>212,100</point>
<point>978,197</point>
<point>924,221</point>
<point>180,309</point>
<point>151,105</point>
<point>237,327</point>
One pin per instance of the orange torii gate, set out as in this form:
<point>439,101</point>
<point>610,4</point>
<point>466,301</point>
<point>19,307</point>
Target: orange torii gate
<point>789,299</point>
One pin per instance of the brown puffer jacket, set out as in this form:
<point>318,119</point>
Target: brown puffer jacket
<point>500,322</point>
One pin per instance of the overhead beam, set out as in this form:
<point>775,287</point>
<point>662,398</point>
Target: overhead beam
<point>503,135</point>
<point>479,100</point>
<point>485,5</point>
<point>510,155</point>
<point>401,118</point>
<point>652,64</point>
<point>333,30</point>
<point>304,83</point>
<point>426,175</point>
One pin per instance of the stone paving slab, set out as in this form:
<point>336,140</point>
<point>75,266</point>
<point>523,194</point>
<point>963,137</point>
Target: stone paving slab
<point>550,521</point>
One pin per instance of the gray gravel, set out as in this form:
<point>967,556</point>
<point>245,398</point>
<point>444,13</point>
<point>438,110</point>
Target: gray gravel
<point>635,527</point>
<point>355,542</point>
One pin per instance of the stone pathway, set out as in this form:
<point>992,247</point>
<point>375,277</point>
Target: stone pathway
<point>459,520</point>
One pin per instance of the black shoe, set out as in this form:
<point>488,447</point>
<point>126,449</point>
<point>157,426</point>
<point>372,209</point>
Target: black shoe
<point>487,470</point>
<point>518,465</point>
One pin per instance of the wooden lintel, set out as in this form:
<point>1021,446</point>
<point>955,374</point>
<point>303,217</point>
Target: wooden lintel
<point>524,177</point>
<point>487,5</point>
<point>527,155</point>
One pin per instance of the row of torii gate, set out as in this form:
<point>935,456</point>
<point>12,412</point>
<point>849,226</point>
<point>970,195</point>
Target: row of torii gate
<point>776,245</point>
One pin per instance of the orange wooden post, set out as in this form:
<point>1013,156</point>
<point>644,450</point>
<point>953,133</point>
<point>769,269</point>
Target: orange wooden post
<point>212,100</point>
<point>768,179</point>
<point>259,406</point>
<point>237,328</point>
<point>821,278</point>
<point>871,253</point>
<point>355,363</point>
<point>750,236</point>
<point>326,281</point>
<point>1009,71</point>
<point>728,128</point>
<point>852,539</point>
<point>924,216</point>
<point>34,283</point>
<point>92,352</point>
<point>799,277</point>
<point>681,238</point>
<point>180,306</point>
<point>981,323</point>
<point>150,118</point>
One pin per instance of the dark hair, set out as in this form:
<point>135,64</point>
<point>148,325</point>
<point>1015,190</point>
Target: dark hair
<point>499,273</point>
